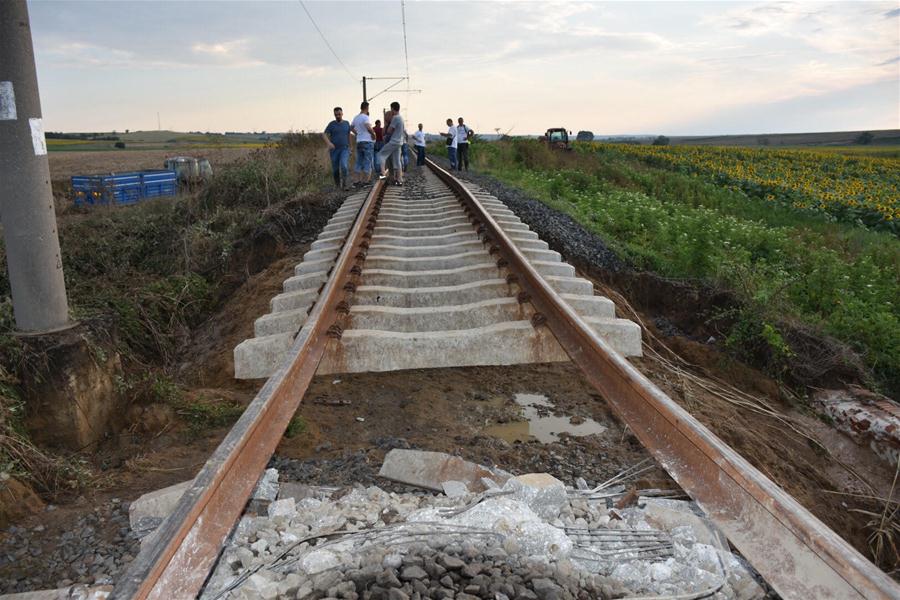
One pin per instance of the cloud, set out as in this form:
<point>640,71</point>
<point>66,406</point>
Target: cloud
<point>232,53</point>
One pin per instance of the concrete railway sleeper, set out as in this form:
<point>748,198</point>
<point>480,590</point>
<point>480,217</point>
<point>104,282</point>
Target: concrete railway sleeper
<point>445,275</point>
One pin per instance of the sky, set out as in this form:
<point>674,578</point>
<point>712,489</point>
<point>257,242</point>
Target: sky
<point>674,68</point>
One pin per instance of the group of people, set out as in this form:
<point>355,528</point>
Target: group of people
<point>458,137</point>
<point>384,150</point>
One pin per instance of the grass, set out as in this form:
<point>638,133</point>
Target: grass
<point>157,270</point>
<point>787,267</point>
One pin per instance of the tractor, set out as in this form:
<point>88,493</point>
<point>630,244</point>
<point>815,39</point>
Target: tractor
<point>557,137</point>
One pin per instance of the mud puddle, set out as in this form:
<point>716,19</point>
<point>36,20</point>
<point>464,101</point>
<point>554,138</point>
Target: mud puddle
<point>538,425</point>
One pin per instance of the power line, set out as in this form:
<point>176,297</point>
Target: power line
<point>405,51</point>
<point>324,39</point>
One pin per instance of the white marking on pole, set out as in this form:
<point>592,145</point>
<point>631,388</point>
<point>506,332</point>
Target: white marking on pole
<point>37,136</point>
<point>7,101</point>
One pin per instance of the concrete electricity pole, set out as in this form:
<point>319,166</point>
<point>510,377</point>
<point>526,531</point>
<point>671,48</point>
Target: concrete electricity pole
<point>26,201</point>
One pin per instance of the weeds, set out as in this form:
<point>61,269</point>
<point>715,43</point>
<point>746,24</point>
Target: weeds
<point>205,413</point>
<point>295,427</point>
<point>884,526</point>
<point>157,269</point>
<point>784,267</point>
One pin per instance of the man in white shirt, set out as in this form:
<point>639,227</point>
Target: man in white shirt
<point>419,143</point>
<point>463,133</point>
<point>361,127</point>
<point>451,143</point>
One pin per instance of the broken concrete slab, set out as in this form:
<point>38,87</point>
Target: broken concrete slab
<point>148,511</point>
<point>430,470</point>
<point>454,489</point>
<point>541,492</point>
<point>75,592</point>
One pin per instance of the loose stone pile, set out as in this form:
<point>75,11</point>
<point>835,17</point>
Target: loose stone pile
<point>95,549</point>
<point>532,539</point>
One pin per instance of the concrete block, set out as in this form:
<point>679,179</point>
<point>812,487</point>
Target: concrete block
<point>75,592</point>
<point>258,358</point>
<point>436,277</point>
<point>399,230</point>
<point>427,263</point>
<point>623,335</point>
<point>509,343</point>
<point>315,266</point>
<point>306,281</point>
<point>326,241</point>
<point>287,321</point>
<point>438,317</point>
<point>293,300</point>
<point>430,470</point>
<point>591,306</point>
<point>466,234</point>
<point>149,510</point>
<point>454,489</point>
<point>465,293</point>
<point>542,492</point>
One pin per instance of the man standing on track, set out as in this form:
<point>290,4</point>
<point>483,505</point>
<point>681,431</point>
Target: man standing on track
<point>463,133</point>
<point>419,142</point>
<point>379,143</point>
<point>337,136</point>
<point>365,145</point>
<point>394,137</point>
<point>451,143</point>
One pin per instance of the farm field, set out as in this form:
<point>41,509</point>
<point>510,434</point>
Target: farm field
<point>853,188</point>
<point>818,139</point>
<point>153,140</point>
<point>790,268</point>
<point>65,164</point>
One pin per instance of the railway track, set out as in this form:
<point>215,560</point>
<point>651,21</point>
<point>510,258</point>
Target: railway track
<point>452,277</point>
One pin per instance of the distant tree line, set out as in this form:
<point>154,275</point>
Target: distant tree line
<point>99,137</point>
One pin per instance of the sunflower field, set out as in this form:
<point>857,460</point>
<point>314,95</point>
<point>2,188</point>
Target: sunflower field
<point>851,188</point>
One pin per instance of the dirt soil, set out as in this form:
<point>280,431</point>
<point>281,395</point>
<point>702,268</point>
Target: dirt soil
<point>350,421</point>
<point>65,164</point>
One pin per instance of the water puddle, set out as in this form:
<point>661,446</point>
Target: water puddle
<point>545,429</point>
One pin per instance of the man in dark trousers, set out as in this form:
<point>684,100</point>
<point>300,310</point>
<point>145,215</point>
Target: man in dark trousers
<point>419,142</point>
<point>337,136</point>
<point>463,133</point>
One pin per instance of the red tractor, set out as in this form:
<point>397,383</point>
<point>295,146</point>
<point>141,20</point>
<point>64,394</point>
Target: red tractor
<point>557,137</point>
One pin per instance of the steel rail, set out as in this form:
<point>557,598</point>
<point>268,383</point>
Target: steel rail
<point>175,564</point>
<point>795,552</point>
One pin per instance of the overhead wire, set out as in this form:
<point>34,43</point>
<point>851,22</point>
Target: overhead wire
<point>405,51</point>
<point>324,39</point>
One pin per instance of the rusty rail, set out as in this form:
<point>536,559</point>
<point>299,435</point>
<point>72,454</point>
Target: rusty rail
<point>174,565</point>
<point>795,552</point>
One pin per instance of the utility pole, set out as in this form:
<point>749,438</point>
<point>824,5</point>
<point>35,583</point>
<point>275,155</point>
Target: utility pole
<point>26,201</point>
<point>365,97</point>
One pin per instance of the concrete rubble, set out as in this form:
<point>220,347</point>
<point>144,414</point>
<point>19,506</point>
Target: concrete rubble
<point>75,592</point>
<point>482,536</point>
<point>871,419</point>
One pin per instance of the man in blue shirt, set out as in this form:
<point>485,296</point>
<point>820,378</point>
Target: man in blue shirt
<point>337,136</point>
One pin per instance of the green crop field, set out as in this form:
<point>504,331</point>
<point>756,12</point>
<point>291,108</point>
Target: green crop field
<point>801,237</point>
